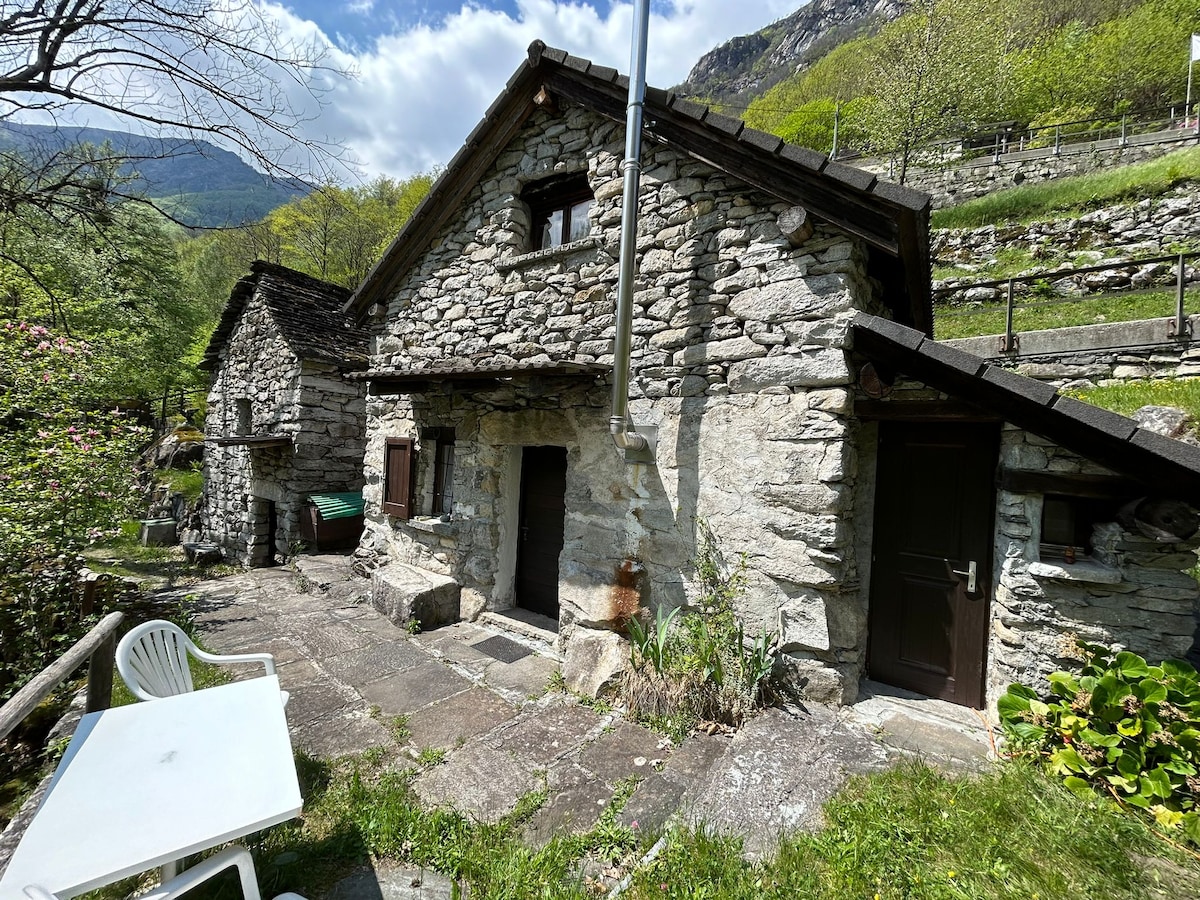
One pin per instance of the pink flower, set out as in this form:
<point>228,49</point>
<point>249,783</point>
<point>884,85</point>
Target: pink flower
<point>44,345</point>
<point>45,376</point>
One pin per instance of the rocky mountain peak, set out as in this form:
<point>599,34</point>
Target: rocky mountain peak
<point>752,63</point>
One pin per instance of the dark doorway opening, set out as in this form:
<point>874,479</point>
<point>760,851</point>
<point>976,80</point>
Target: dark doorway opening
<point>934,513</point>
<point>272,558</point>
<point>540,535</point>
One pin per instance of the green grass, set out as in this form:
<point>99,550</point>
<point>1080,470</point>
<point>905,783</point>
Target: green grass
<point>189,482</point>
<point>1079,194</point>
<point>911,832</point>
<point>988,318</point>
<point>916,833</point>
<point>1130,396</point>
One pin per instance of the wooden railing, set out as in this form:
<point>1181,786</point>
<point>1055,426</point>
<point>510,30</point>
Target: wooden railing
<point>97,648</point>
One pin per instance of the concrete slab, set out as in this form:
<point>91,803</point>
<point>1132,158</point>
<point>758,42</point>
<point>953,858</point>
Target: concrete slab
<point>458,719</point>
<point>627,750</point>
<point>319,699</point>
<point>653,804</point>
<point>375,661</point>
<point>777,773</point>
<point>323,638</point>
<point>384,881</point>
<point>546,733</point>
<point>235,629</point>
<point>480,781</point>
<point>526,677</point>
<point>576,802</point>
<point>454,643</point>
<point>694,757</point>
<point>416,688</point>
<point>340,732</point>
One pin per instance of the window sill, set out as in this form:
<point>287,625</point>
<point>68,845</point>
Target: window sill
<point>1085,570</point>
<point>537,256</point>
<point>432,525</point>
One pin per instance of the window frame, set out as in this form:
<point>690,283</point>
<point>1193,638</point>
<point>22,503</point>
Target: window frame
<point>551,195</point>
<point>399,458</point>
<point>443,473</point>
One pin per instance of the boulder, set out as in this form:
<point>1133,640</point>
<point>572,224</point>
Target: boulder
<point>595,659</point>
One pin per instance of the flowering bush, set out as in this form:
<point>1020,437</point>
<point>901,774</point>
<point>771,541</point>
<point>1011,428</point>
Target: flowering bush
<point>66,480</point>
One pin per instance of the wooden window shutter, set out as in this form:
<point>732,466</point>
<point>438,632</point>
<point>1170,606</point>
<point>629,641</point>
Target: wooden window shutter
<point>397,477</point>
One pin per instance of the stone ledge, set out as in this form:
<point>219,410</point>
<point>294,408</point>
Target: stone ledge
<point>1083,570</point>
<point>431,525</point>
<point>537,256</point>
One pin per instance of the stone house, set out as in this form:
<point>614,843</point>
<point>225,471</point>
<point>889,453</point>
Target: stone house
<point>283,421</point>
<point>779,297</point>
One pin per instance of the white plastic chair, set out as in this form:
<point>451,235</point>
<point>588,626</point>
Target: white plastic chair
<point>153,660</point>
<point>236,855</point>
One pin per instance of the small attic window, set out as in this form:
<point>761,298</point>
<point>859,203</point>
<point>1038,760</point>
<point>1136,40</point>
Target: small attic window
<point>1067,524</point>
<point>559,209</point>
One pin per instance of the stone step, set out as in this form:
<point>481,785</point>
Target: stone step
<point>537,632</point>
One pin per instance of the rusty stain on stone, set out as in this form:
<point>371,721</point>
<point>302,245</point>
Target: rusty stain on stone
<point>627,591</point>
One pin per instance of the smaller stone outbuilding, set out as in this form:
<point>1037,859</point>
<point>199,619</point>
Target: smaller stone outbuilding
<point>284,421</point>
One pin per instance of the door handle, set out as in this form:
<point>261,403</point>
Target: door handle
<point>971,575</point>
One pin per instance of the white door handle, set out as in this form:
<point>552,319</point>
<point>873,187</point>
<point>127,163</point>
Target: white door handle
<point>971,575</point>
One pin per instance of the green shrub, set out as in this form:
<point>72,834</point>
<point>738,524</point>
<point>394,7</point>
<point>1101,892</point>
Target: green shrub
<point>1126,727</point>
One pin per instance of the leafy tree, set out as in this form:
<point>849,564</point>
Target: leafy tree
<point>66,480</point>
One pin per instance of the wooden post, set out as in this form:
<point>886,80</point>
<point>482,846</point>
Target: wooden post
<point>100,674</point>
<point>796,225</point>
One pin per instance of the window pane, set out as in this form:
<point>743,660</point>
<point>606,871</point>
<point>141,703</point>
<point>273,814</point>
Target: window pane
<point>552,230</point>
<point>579,220</point>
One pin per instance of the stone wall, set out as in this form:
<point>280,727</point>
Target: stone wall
<point>954,184</point>
<point>739,359</point>
<point>1150,227</point>
<point>309,401</point>
<point>1131,591</point>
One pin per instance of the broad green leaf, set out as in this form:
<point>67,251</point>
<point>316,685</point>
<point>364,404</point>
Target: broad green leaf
<point>1181,669</point>
<point>1150,691</point>
<point>1079,787</point>
<point>1038,708</point>
<point>1065,761</point>
<point>1191,826</point>
<point>1131,665</point>
<point>1063,684</point>
<point>1166,818</point>
<point>1096,739</point>
<point>1156,783</point>
<point>1130,727</point>
<point>1026,732</point>
<point>1011,705</point>
<point>1137,800</point>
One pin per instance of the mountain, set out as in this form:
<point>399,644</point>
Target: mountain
<point>746,66</point>
<point>198,183</point>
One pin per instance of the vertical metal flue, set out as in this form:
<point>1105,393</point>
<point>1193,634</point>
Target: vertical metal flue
<point>618,423</point>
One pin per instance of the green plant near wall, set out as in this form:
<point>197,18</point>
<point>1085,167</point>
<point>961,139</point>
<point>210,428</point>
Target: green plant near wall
<point>1121,725</point>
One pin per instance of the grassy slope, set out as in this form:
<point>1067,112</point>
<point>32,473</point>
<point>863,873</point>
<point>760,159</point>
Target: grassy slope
<point>1071,196</point>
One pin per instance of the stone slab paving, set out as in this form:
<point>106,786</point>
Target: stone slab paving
<point>351,672</point>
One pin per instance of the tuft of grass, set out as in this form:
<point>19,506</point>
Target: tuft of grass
<point>1078,194</point>
<point>1130,396</point>
<point>189,482</point>
<point>398,726</point>
<point>431,756</point>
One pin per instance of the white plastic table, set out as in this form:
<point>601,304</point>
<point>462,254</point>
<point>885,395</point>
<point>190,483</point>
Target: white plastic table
<point>146,784</point>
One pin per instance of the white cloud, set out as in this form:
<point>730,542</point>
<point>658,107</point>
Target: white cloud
<point>421,89</point>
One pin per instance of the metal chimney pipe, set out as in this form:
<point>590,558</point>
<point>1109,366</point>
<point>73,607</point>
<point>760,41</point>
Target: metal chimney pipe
<point>618,422</point>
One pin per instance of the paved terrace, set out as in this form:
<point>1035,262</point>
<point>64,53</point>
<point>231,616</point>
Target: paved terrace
<point>479,692</point>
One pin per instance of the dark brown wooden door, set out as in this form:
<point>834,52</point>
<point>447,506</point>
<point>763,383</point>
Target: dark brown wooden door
<point>934,509</point>
<point>543,486</point>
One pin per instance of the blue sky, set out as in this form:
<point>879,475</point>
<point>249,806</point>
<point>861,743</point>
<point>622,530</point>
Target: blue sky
<point>426,70</point>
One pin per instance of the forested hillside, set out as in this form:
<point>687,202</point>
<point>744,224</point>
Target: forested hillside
<point>198,183</point>
<point>950,67</point>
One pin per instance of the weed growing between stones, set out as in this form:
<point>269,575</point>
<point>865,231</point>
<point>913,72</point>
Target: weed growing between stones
<point>697,665</point>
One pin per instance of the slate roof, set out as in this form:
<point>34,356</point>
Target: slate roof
<point>1167,466</point>
<point>307,311</point>
<point>893,220</point>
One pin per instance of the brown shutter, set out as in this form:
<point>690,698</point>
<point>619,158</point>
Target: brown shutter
<point>397,477</point>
